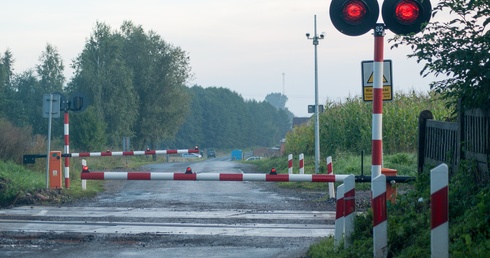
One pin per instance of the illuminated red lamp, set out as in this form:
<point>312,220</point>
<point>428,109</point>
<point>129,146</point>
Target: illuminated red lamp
<point>406,16</point>
<point>354,17</point>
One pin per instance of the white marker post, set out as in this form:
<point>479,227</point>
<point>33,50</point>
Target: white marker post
<point>439,234</point>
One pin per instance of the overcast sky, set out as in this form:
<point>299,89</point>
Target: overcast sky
<point>252,47</point>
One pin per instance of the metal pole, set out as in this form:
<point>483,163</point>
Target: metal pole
<point>317,120</point>
<point>316,39</point>
<point>49,137</point>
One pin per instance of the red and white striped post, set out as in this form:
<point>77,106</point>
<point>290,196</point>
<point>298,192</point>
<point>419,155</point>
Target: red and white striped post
<point>331,186</point>
<point>339,216</point>
<point>301,163</point>
<point>84,182</point>
<point>380,225</point>
<point>290,163</point>
<point>349,207</point>
<point>439,234</point>
<point>378,186</point>
<point>67,149</point>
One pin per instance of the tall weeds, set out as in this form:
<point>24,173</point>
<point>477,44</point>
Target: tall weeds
<point>346,126</point>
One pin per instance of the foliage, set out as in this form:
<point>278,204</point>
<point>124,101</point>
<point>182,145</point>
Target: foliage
<point>15,142</point>
<point>458,48</point>
<point>346,126</point>
<point>409,222</point>
<point>221,118</point>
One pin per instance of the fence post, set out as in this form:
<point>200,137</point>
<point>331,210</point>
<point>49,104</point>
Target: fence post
<point>424,115</point>
<point>439,234</point>
<point>380,226</point>
<point>339,216</point>
<point>290,163</point>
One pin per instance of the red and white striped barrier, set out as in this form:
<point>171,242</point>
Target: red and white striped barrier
<point>129,153</point>
<point>290,163</point>
<point>339,215</point>
<point>331,186</point>
<point>301,163</point>
<point>66,130</point>
<point>380,226</point>
<point>439,234</point>
<point>211,177</point>
<point>349,207</point>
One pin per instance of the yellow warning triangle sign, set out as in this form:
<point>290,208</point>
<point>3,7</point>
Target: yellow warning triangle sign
<point>371,78</point>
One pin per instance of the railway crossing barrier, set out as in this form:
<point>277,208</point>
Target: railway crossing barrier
<point>347,208</point>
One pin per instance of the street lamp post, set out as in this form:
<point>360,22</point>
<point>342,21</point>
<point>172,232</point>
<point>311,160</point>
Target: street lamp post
<point>316,39</point>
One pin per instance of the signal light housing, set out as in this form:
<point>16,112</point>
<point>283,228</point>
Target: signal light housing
<point>406,16</point>
<point>354,17</point>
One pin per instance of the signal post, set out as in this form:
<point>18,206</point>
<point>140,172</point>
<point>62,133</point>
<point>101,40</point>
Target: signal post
<point>354,18</point>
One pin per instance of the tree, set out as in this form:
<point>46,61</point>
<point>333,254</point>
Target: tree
<point>160,72</point>
<point>50,70</point>
<point>459,49</point>
<point>101,72</point>
<point>6,76</point>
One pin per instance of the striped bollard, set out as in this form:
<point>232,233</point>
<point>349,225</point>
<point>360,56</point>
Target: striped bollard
<point>439,234</point>
<point>331,186</point>
<point>380,226</point>
<point>349,208</point>
<point>301,163</point>
<point>66,130</point>
<point>290,163</point>
<point>84,182</point>
<point>339,216</point>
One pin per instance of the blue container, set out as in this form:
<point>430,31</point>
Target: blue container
<point>236,154</point>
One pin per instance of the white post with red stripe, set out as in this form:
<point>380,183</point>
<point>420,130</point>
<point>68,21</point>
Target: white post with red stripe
<point>301,163</point>
<point>349,208</point>
<point>378,184</point>
<point>290,163</point>
<point>67,149</point>
<point>439,234</point>
<point>339,216</point>
<point>331,186</point>
<point>380,225</point>
<point>84,182</point>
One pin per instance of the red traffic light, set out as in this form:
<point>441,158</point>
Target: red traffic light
<point>406,16</point>
<point>354,17</point>
<point>407,12</point>
<point>354,12</point>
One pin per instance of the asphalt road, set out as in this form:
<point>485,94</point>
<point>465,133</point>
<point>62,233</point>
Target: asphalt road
<point>173,219</point>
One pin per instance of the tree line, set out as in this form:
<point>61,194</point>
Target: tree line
<point>137,86</point>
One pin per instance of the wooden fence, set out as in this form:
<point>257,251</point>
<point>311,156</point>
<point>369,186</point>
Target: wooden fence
<point>450,142</point>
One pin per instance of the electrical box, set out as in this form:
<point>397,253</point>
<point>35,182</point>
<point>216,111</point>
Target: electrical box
<point>55,175</point>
